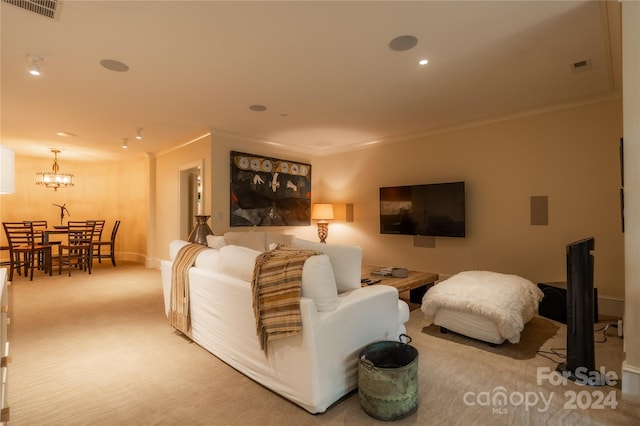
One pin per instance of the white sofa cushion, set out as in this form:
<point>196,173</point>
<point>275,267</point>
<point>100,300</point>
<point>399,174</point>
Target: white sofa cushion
<point>216,241</point>
<point>255,240</point>
<point>208,259</point>
<point>319,283</point>
<point>346,262</point>
<point>237,261</point>
<point>175,246</point>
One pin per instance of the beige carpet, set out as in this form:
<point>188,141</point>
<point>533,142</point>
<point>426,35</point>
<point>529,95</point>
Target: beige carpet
<point>97,349</point>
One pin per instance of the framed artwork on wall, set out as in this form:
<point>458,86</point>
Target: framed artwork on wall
<point>269,191</point>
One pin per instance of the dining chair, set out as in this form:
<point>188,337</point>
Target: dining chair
<point>25,249</point>
<point>97,237</point>
<point>39,228</point>
<point>111,243</point>
<point>77,250</point>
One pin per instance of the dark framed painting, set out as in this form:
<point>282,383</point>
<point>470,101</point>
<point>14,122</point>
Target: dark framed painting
<point>269,191</point>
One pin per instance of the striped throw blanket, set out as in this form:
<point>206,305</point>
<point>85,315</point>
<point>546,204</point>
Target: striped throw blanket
<point>179,316</point>
<point>276,289</point>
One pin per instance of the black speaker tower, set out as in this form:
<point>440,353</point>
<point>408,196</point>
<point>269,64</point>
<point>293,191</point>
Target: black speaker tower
<point>580,362</point>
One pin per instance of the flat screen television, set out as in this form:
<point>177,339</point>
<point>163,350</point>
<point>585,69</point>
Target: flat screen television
<point>436,210</point>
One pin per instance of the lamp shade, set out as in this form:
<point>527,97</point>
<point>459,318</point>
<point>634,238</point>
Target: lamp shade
<point>7,171</point>
<point>322,212</point>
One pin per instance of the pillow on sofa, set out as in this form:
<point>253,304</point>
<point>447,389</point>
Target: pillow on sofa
<point>252,239</point>
<point>346,262</point>
<point>319,283</point>
<point>237,261</point>
<point>216,241</point>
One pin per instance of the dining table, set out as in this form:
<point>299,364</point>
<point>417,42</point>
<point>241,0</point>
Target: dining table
<point>56,230</point>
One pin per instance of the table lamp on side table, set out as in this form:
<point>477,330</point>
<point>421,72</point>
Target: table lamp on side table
<point>322,213</point>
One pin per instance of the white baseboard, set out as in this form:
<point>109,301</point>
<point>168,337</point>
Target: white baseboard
<point>630,383</point>
<point>610,306</point>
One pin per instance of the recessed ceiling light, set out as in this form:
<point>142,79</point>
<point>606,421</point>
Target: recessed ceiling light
<point>66,134</point>
<point>257,108</point>
<point>403,42</point>
<point>423,61</point>
<point>113,65</point>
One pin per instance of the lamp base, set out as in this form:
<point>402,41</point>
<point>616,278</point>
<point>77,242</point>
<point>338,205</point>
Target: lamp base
<point>323,231</point>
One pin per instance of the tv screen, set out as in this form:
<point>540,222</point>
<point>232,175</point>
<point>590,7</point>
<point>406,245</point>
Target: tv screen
<point>436,210</point>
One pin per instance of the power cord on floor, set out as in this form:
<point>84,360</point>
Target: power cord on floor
<point>555,351</point>
<point>604,332</point>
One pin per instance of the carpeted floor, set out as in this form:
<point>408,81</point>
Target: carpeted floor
<point>97,349</point>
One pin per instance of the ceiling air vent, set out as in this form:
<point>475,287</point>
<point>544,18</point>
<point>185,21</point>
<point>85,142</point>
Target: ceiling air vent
<point>580,66</point>
<point>45,8</point>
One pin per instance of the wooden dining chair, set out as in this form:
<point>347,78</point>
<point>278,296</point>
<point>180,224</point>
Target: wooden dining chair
<point>111,243</point>
<point>97,237</point>
<point>78,249</point>
<point>39,228</point>
<point>25,249</point>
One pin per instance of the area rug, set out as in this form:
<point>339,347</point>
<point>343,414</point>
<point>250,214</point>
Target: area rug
<point>536,333</point>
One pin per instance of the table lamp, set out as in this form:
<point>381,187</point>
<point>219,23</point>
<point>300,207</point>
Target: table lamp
<point>322,213</point>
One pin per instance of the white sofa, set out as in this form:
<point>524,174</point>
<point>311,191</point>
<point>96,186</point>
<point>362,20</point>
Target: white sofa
<point>313,369</point>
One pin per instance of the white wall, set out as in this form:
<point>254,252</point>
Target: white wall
<point>571,156</point>
<point>167,195</point>
<point>631,88</point>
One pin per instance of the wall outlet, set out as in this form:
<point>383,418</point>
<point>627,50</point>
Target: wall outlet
<point>620,328</point>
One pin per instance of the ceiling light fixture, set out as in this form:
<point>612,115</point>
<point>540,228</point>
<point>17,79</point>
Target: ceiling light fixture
<point>34,64</point>
<point>124,143</point>
<point>139,133</point>
<point>54,179</point>
<point>423,61</point>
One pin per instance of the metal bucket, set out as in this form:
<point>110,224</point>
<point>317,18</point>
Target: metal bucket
<point>388,379</point>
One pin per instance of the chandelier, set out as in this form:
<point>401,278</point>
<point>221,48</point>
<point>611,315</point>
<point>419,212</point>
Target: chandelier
<point>54,179</point>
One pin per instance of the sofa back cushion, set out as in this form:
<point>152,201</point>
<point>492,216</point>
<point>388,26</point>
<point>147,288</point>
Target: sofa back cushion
<point>216,241</point>
<point>346,262</point>
<point>254,240</point>
<point>274,238</point>
<point>319,283</point>
<point>175,246</point>
<point>237,261</point>
<point>208,259</point>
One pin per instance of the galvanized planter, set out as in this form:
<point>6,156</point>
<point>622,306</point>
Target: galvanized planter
<point>388,379</point>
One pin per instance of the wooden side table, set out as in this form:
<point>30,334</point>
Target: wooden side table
<point>415,283</point>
